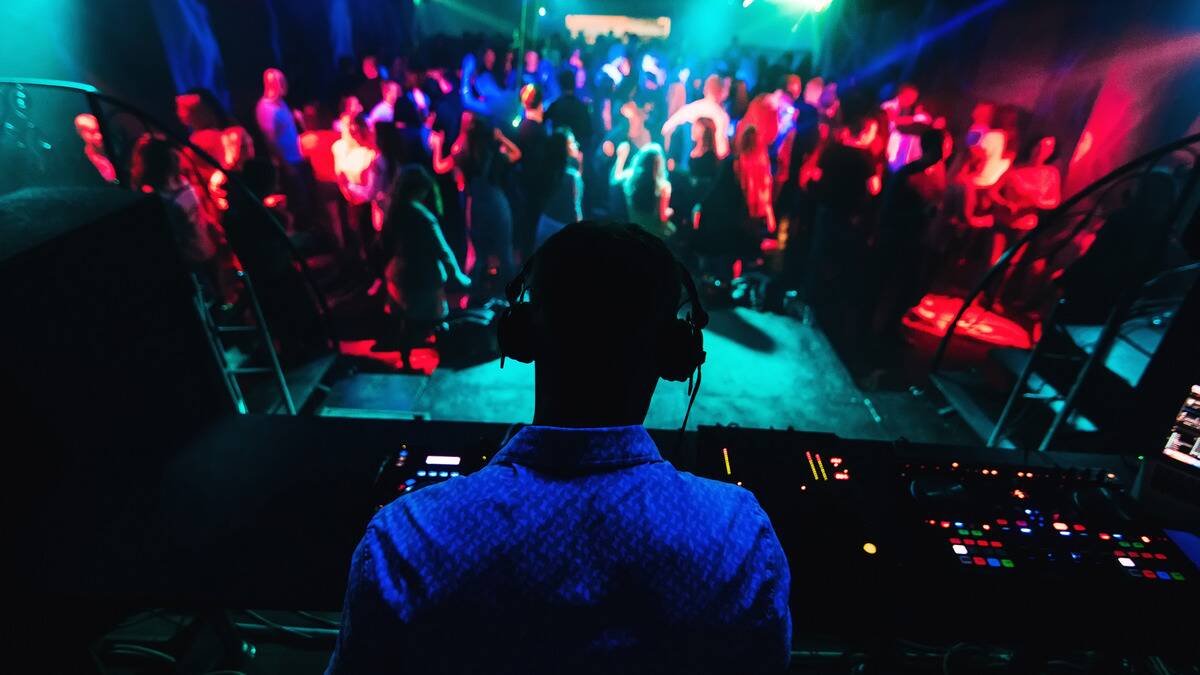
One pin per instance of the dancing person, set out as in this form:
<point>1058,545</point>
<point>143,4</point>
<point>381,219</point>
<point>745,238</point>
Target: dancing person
<point>360,169</point>
<point>648,192</point>
<point>544,545</point>
<point>565,203</point>
<point>476,158</point>
<point>278,127</point>
<point>420,262</point>
<point>88,129</point>
<point>712,106</point>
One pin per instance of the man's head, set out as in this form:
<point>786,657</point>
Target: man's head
<point>714,88</point>
<point>602,303</point>
<point>531,98</point>
<point>370,66</point>
<point>88,129</point>
<point>274,84</point>
<point>532,61</point>
<point>907,95</point>
<point>791,84</point>
<point>391,92</point>
<point>566,81</point>
<point>813,91</point>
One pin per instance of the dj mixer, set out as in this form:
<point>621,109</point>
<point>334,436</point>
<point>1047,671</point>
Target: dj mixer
<point>930,542</point>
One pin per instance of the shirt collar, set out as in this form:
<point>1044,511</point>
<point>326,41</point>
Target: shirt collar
<point>579,448</point>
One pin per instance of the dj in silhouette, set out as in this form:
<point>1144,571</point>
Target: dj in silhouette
<point>577,548</point>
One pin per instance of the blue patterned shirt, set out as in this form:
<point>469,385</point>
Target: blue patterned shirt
<point>572,551</point>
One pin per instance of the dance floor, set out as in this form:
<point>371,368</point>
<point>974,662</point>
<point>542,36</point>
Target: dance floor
<point>763,370</point>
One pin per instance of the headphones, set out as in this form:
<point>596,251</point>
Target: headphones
<point>679,352</point>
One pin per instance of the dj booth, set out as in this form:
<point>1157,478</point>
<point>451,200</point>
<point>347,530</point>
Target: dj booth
<point>895,540</point>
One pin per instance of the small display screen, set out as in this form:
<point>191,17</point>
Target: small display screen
<point>443,460</point>
<point>1183,444</point>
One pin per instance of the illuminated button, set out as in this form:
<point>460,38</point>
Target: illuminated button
<point>959,524</point>
<point>979,561</point>
<point>964,532</point>
<point>1126,562</point>
<point>994,562</point>
<point>969,542</point>
<point>454,474</point>
<point>872,549</point>
<point>1077,528</point>
<point>1001,521</point>
<point>404,453</point>
<point>1160,556</point>
<point>410,481</point>
<point>1134,554</point>
<point>1149,574</point>
<point>1145,539</point>
<point>945,524</point>
<point>960,549</point>
<point>1006,562</point>
<point>1117,536</point>
<point>1060,526</point>
<point>1065,533</point>
<point>1104,536</point>
<point>420,474</point>
<point>1176,576</point>
<point>986,527</point>
<point>1119,554</point>
<point>955,540</point>
<point>1123,544</point>
<point>1026,530</point>
<point>1164,576</point>
<point>1138,544</point>
<point>996,544</point>
<point>443,474</point>
<point>1021,523</point>
<point>977,533</point>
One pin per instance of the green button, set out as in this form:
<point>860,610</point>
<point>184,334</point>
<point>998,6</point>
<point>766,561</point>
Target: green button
<point>1176,576</point>
<point>1124,544</point>
<point>1138,544</point>
<point>1006,562</point>
<point>964,532</point>
<point>977,533</point>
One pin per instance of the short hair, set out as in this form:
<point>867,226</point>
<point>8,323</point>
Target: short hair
<point>604,287</point>
<point>531,96</point>
<point>566,80</point>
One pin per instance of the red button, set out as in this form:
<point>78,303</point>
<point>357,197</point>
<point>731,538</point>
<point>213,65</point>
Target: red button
<point>969,542</point>
<point>1148,574</point>
<point>955,540</point>
<point>1022,523</point>
<point>1078,528</point>
<point>1001,521</point>
<point>979,561</point>
<point>1160,556</point>
<point>996,544</point>
<point>1119,554</point>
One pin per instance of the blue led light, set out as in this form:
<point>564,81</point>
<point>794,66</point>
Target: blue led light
<point>1065,533</point>
<point>1026,530</point>
<point>1164,575</point>
<point>420,474</point>
<point>404,453</point>
<point>958,524</point>
<point>410,481</point>
<point>1028,512</point>
<point>994,562</point>
<point>1117,536</point>
<point>443,474</point>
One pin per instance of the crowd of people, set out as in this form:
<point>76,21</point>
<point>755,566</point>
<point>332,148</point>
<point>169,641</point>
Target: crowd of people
<point>440,175</point>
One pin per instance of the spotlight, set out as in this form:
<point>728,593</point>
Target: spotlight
<point>541,11</point>
<point>747,3</point>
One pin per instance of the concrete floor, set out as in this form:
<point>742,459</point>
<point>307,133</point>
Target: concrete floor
<point>763,370</point>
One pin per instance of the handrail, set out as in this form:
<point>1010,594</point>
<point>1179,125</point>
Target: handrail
<point>92,94</point>
<point>1044,224</point>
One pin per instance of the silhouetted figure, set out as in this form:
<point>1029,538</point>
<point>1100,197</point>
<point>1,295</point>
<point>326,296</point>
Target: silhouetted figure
<point>577,548</point>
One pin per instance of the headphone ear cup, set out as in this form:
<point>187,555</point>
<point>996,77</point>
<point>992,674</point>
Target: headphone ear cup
<point>514,333</point>
<point>680,350</point>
